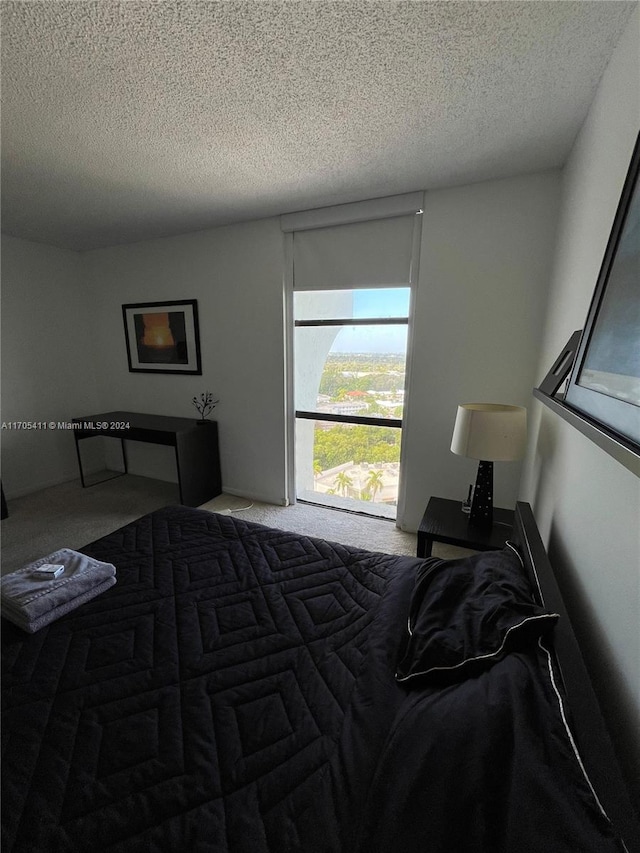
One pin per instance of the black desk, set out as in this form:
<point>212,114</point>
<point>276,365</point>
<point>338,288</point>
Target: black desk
<point>196,447</point>
<point>444,521</point>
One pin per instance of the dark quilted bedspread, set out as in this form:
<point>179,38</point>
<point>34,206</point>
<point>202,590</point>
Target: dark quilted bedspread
<point>232,692</point>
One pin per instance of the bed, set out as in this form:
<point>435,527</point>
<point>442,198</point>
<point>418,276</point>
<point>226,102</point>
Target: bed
<point>243,689</point>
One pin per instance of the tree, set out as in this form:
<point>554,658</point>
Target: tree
<point>374,482</point>
<point>341,444</point>
<point>375,408</point>
<point>343,481</point>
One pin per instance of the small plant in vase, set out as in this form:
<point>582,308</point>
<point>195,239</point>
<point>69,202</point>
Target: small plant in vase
<point>205,404</point>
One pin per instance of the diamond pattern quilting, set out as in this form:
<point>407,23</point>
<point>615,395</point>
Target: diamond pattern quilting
<point>135,647</point>
<point>321,608</point>
<point>126,748</point>
<point>203,703</point>
<point>287,741</point>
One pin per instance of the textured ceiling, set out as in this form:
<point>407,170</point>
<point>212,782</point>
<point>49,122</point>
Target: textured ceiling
<point>129,120</point>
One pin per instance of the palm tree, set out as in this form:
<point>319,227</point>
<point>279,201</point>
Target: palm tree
<point>317,468</point>
<point>374,482</point>
<point>343,481</point>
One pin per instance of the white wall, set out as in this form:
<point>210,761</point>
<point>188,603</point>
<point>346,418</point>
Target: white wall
<point>485,257</point>
<point>485,262</point>
<point>236,274</point>
<point>47,361</point>
<point>588,505</point>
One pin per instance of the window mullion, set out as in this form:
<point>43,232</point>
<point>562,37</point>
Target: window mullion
<point>358,321</point>
<point>395,423</point>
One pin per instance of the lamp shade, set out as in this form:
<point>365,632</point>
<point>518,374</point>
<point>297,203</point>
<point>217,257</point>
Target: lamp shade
<point>490,431</point>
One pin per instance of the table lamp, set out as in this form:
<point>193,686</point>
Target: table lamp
<point>489,432</point>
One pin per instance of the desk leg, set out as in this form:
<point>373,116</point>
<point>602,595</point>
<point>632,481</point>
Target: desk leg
<point>198,464</point>
<point>180,472</point>
<point>124,456</point>
<point>124,460</point>
<point>425,544</point>
<point>79,461</point>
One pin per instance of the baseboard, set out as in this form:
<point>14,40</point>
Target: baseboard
<point>56,481</point>
<point>254,496</point>
<point>39,486</point>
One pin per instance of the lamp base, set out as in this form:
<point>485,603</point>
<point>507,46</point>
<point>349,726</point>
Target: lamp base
<point>481,514</point>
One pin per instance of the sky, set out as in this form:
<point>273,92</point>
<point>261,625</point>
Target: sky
<point>367,339</point>
<point>376,339</point>
<point>382,302</point>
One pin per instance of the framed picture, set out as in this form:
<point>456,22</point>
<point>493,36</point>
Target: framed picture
<point>605,380</point>
<point>163,337</point>
<point>562,365</point>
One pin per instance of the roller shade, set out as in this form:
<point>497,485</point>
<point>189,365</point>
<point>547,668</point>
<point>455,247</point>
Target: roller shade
<point>376,253</point>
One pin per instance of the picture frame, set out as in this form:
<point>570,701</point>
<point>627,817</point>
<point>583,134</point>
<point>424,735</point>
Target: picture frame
<point>163,337</point>
<point>605,380</point>
<point>561,367</point>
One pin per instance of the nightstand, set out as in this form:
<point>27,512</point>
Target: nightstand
<point>444,521</point>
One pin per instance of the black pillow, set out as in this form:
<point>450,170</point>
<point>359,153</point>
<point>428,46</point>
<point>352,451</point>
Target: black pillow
<point>465,614</point>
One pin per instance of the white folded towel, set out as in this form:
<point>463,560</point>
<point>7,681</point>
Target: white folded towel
<point>32,602</point>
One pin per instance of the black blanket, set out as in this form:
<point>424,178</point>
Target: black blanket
<point>234,692</point>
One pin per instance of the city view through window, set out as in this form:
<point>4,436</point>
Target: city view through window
<point>350,363</point>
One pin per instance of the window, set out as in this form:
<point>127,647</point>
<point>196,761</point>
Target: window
<point>350,270</point>
<point>349,385</point>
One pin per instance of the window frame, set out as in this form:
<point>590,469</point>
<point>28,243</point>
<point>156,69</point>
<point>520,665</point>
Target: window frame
<point>333,216</point>
<point>356,420</point>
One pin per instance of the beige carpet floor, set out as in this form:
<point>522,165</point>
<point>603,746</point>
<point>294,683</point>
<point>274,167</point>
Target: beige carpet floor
<point>68,516</point>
